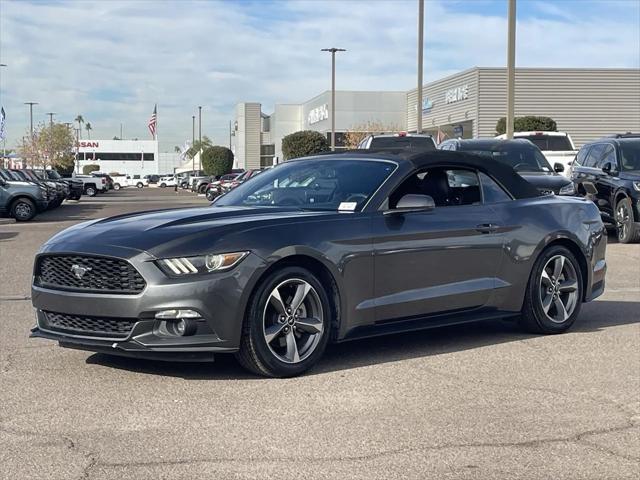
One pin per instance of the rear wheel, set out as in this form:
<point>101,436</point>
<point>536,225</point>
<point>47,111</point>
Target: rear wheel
<point>91,191</point>
<point>163,185</point>
<point>116,186</point>
<point>554,293</point>
<point>628,231</point>
<point>287,328</point>
<point>23,210</point>
<point>210,195</point>
<point>139,184</point>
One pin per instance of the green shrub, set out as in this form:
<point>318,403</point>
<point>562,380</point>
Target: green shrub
<point>87,169</point>
<point>301,144</point>
<point>528,124</point>
<point>217,160</point>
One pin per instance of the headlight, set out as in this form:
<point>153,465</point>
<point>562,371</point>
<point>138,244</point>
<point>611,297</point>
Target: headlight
<point>217,262</point>
<point>569,189</point>
<point>636,185</point>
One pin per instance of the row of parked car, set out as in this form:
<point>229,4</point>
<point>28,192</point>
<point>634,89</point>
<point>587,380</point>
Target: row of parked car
<point>606,171</point>
<point>209,185</point>
<point>25,193</point>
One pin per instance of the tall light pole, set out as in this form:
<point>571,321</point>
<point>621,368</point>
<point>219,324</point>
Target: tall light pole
<point>199,136</point>
<point>31,104</point>
<point>511,67</point>
<point>51,114</point>
<point>333,51</point>
<point>420,61</point>
<point>193,141</point>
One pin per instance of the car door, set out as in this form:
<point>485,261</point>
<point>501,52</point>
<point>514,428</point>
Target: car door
<point>435,261</point>
<point>606,182</point>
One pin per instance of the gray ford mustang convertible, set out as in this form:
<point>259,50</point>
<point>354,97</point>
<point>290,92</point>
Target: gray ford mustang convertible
<point>323,249</point>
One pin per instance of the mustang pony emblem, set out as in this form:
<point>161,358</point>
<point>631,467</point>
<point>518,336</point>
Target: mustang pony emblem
<point>79,271</point>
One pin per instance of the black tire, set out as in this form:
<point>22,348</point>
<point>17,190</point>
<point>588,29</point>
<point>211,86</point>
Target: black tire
<point>90,190</point>
<point>116,186</point>
<point>627,230</point>
<point>210,195</point>
<point>254,354</point>
<point>22,209</point>
<point>533,318</point>
<point>202,189</point>
<point>163,185</point>
<point>139,184</point>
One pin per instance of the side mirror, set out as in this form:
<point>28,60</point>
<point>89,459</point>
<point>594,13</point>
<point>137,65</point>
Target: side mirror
<point>558,167</point>
<point>609,169</point>
<point>412,203</point>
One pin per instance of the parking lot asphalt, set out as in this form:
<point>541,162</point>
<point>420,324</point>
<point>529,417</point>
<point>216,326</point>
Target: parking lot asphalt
<point>468,402</point>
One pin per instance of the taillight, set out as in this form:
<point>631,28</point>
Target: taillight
<point>104,181</point>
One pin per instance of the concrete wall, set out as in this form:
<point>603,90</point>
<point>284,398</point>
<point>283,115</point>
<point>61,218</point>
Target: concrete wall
<point>95,147</point>
<point>247,136</point>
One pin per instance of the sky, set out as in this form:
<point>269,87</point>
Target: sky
<point>111,61</point>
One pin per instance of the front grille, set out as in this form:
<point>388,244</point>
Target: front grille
<point>88,274</point>
<point>87,326</point>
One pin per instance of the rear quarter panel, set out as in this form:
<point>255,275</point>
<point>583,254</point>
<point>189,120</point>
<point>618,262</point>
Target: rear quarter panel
<point>532,224</point>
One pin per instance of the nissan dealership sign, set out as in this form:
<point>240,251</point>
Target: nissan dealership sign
<point>318,114</point>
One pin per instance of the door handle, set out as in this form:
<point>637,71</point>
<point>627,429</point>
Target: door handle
<point>487,227</point>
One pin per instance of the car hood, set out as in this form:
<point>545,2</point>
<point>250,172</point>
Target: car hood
<point>550,181</point>
<point>630,175</point>
<point>162,233</point>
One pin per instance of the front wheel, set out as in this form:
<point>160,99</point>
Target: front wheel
<point>554,293</point>
<point>23,210</point>
<point>288,324</point>
<point>163,185</point>
<point>116,186</point>
<point>210,195</point>
<point>139,184</point>
<point>91,191</point>
<point>628,231</point>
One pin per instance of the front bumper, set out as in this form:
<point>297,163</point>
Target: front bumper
<point>219,298</point>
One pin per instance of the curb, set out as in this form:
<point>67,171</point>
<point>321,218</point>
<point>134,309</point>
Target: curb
<point>7,221</point>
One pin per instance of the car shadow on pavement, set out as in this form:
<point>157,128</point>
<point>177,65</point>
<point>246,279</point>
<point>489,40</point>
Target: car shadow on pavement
<point>594,317</point>
<point>5,236</point>
<point>69,211</point>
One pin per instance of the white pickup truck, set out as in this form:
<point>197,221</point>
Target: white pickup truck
<point>557,147</point>
<point>92,185</point>
<point>121,181</point>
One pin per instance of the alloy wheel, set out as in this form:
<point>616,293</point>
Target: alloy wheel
<point>623,218</point>
<point>559,288</point>
<point>293,321</point>
<point>23,210</point>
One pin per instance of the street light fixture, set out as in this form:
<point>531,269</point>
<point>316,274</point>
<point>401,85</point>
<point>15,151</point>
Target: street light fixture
<point>51,114</point>
<point>333,51</point>
<point>420,62</point>
<point>199,137</point>
<point>511,67</point>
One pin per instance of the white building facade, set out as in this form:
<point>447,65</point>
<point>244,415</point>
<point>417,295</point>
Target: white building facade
<point>131,157</point>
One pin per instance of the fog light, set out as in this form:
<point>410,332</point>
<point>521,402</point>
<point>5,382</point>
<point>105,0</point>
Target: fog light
<point>176,314</point>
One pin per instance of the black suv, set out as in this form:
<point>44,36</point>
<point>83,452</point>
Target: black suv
<point>608,172</point>
<point>523,156</point>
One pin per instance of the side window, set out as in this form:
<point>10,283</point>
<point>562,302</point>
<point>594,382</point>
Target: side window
<point>608,155</point>
<point>582,155</point>
<point>447,187</point>
<point>491,191</point>
<point>594,155</point>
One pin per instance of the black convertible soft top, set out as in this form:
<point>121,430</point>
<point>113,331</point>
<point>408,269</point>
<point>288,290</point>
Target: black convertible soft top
<point>503,174</point>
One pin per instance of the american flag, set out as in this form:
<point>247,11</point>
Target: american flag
<point>153,121</point>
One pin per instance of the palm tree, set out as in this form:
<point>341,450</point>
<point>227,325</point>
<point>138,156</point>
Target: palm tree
<point>88,128</point>
<point>80,120</point>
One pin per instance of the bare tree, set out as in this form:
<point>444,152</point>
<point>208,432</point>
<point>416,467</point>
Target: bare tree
<point>357,133</point>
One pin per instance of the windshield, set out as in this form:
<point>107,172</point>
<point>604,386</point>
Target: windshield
<point>320,184</point>
<point>422,143</point>
<point>630,158</point>
<point>550,142</point>
<point>518,157</point>
<point>53,175</point>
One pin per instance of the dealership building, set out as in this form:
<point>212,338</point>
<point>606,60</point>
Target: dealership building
<point>131,157</point>
<point>587,103</point>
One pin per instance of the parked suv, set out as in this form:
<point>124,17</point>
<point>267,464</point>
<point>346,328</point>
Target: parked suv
<point>19,199</point>
<point>608,172</point>
<point>402,140</point>
<point>521,155</point>
<point>558,147</point>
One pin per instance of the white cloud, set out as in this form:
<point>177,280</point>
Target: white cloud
<point>112,61</point>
